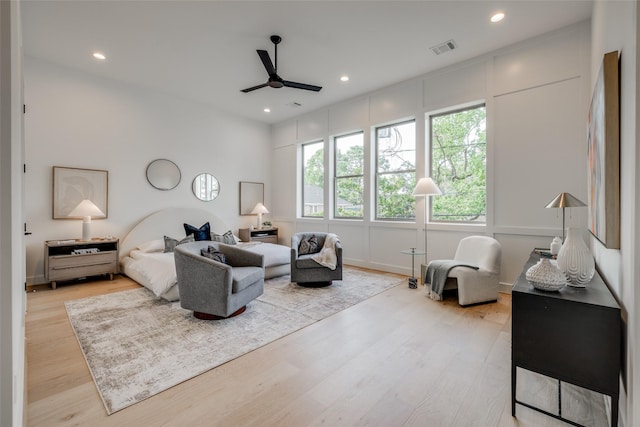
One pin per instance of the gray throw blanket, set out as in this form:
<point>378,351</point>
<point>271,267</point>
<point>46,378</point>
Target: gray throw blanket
<point>437,273</point>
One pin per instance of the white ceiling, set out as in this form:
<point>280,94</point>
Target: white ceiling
<point>206,50</point>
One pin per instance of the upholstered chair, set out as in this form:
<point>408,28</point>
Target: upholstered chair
<point>304,269</point>
<point>214,289</point>
<point>481,285</point>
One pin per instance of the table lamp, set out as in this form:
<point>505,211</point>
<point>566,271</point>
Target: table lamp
<point>564,200</point>
<point>424,188</point>
<point>86,209</point>
<point>259,209</point>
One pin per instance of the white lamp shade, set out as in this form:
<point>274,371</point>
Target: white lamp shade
<point>426,187</point>
<point>260,209</point>
<point>87,208</point>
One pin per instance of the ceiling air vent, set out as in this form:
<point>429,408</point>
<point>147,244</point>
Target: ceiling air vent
<point>444,47</point>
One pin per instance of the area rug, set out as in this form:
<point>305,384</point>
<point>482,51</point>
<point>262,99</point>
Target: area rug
<point>137,345</point>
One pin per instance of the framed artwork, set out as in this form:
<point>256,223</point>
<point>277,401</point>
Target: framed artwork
<point>251,193</point>
<point>604,154</point>
<point>73,185</point>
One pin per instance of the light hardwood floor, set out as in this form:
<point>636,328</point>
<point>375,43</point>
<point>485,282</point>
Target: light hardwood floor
<point>397,359</point>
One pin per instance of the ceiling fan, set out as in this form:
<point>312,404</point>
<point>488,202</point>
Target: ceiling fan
<point>275,81</point>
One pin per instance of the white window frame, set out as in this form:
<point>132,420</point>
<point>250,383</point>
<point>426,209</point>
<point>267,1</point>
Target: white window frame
<point>336,178</point>
<point>429,148</point>
<point>302,180</point>
<point>377,174</point>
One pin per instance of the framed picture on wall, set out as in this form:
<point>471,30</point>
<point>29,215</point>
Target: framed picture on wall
<point>251,193</point>
<point>604,154</point>
<point>72,185</point>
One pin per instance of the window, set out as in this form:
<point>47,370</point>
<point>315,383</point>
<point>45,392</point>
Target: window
<point>313,179</point>
<point>349,176</point>
<point>458,165</point>
<point>396,171</point>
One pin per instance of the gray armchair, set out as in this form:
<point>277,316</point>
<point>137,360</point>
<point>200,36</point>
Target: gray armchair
<point>305,270</point>
<point>216,290</point>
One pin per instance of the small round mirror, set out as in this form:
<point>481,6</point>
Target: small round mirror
<point>163,174</point>
<point>205,187</point>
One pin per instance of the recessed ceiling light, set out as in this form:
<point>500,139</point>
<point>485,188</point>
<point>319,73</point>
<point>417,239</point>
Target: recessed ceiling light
<point>344,78</point>
<point>497,17</point>
<point>99,56</point>
<point>267,110</point>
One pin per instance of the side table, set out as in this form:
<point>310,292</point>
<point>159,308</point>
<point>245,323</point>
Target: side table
<point>266,235</point>
<point>73,259</point>
<point>413,282</point>
<point>572,335</point>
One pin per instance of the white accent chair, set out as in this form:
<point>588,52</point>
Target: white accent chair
<point>476,286</point>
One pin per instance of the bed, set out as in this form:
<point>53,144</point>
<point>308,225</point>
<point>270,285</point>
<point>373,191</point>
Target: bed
<point>143,260</point>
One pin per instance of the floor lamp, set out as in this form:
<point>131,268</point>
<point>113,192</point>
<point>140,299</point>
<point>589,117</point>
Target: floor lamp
<point>564,200</point>
<point>424,188</point>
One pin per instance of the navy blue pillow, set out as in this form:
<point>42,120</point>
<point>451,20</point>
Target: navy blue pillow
<point>202,233</point>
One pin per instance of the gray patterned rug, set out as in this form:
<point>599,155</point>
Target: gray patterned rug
<point>137,346</point>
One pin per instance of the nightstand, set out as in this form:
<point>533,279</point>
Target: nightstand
<point>74,259</point>
<point>266,235</point>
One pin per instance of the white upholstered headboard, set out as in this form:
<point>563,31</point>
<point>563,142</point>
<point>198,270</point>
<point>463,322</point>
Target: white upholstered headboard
<point>169,222</point>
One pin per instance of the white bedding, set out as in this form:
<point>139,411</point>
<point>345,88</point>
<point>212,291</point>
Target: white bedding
<point>273,254</point>
<point>156,271</point>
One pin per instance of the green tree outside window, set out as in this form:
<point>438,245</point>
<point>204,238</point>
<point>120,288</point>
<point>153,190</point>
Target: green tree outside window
<point>349,176</point>
<point>313,179</point>
<point>458,165</point>
<point>396,171</point>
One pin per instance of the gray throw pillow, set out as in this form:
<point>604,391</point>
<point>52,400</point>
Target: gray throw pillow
<point>171,243</point>
<point>224,238</point>
<point>214,254</point>
<point>308,245</point>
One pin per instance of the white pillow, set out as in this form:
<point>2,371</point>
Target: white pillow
<point>152,246</point>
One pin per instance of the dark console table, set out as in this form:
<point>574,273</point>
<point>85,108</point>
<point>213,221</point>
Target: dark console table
<point>573,335</point>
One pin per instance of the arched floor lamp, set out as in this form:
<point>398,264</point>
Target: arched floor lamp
<point>424,188</point>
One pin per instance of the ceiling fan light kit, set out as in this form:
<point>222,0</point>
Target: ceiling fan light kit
<point>275,81</point>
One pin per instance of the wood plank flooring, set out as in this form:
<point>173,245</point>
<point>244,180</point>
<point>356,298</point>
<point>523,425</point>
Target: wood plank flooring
<point>397,359</point>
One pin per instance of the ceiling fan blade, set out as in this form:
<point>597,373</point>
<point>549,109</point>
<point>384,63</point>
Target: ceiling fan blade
<point>249,89</point>
<point>302,86</point>
<point>268,65</point>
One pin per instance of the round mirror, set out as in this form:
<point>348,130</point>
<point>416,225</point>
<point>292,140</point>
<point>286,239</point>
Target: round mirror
<point>205,187</point>
<point>163,174</point>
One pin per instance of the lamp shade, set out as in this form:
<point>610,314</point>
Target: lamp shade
<point>565,200</point>
<point>260,209</point>
<point>86,208</point>
<point>426,187</point>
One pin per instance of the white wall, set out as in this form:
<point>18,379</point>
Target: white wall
<point>77,120</point>
<point>537,98</point>
<point>614,27</point>
<point>12,295</point>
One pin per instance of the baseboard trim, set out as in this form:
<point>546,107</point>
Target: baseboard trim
<point>505,288</point>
